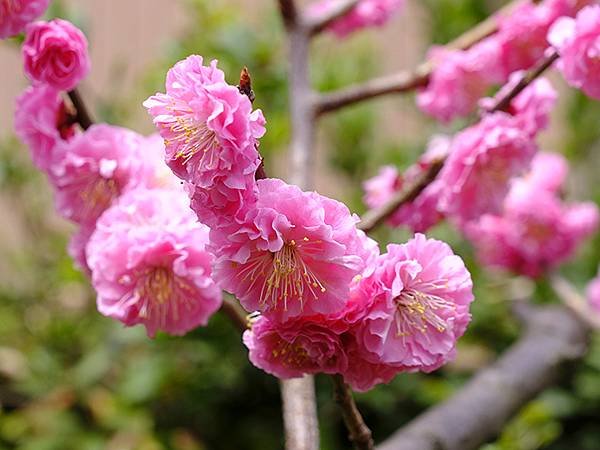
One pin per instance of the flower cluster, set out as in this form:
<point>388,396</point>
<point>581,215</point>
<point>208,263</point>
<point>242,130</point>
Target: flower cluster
<point>405,314</point>
<point>367,13</point>
<point>16,14</point>
<point>536,230</point>
<point>461,77</point>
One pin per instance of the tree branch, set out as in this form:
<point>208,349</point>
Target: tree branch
<point>338,10</point>
<point>298,395</point>
<point>235,313</point>
<point>573,300</point>
<point>360,434</point>
<point>83,116</point>
<point>375,217</point>
<point>478,412</point>
<point>409,80</point>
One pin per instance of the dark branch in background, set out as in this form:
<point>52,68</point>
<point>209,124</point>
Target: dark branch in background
<point>83,117</point>
<point>359,432</point>
<point>478,412</point>
<point>338,10</point>
<point>409,80</point>
<point>289,13</point>
<point>375,217</point>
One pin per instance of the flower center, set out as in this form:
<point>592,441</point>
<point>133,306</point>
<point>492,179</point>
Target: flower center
<point>290,354</point>
<point>97,195</point>
<point>193,138</point>
<point>285,276</point>
<point>160,294</point>
<point>417,311</point>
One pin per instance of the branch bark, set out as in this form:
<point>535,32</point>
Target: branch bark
<point>478,412</point>
<point>235,313</point>
<point>83,117</point>
<point>409,80</point>
<point>573,300</point>
<point>298,395</point>
<point>359,433</point>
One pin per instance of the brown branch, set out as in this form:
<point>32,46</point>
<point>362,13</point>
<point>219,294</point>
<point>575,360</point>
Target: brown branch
<point>409,80</point>
<point>360,434</point>
<point>300,413</point>
<point>289,13</point>
<point>83,116</point>
<point>235,313</point>
<point>340,9</point>
<point>479,411</point>
<point>504,103</point>
<point>375,217</point>
<point>573,300</point>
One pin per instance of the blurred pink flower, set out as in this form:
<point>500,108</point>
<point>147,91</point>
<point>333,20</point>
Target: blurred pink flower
<point>537,230</point>
<point>150,265</point>
<point>94,168</point>
<point>532,107</point>
<point>16,14</point>
<point>41,120</point>
<point>593,293</point>
<point>422,213</point>
<point>295,254</point>
<point>367,13</point>
<point>77,245</point>
<point>302,345</point>
<point>460,78</point>
<point>416,306</point>
<point>483,158</point>
<point>55,53</point>
<point>578,42</point>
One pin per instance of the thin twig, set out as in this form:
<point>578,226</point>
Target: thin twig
<point>405,81</point>
<point>83,116</point>
<point>360,434</point>
<point>338,10</point>
<point>375,217</point>
<point>573,300</point>
<point>525,81</point>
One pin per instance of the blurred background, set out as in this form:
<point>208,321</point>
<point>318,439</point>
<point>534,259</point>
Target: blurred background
<point>71,379</point>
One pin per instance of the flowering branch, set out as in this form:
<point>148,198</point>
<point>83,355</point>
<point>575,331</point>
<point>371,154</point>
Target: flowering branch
<point>360,434</point>
<point>289,12</point>
<point>82,116</point>
<point>235,313</point>
<point>409,80</point>
<point>574,301</point>
<point>554,338</point>
<point>375,217</point>
<point>340,9</point>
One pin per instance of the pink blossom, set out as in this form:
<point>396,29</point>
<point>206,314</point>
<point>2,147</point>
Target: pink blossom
<point>483,158</point>
<point>210,130</point>
<point>422,213</point>
<point>92,169</point>
<point>367,13</point>
<point>593,294</point>
<point>537,230</point>
<point>302,345</point>
<point>416,306</point>
<point>77,245</point>
<point>548,172</point>
<point>42,120</point>
<point>578,42</point>
<point>532,107</point>
<point>459,80</point>
<point>150,265</point>
<point>16,14</point>
<point>56,53</point>
<point>295,254</point>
